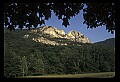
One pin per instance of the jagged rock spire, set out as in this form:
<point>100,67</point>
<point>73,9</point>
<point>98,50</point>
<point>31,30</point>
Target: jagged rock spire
<point>72,35</point>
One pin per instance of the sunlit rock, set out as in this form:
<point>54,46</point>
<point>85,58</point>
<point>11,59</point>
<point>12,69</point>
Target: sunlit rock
<point>47,33</point>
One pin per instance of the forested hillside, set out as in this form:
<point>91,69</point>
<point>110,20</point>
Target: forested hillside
<point>25,57</point>
<point>107,42</point>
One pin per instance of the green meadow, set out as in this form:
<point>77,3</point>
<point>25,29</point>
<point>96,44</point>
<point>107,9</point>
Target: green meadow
<point>86,75</point>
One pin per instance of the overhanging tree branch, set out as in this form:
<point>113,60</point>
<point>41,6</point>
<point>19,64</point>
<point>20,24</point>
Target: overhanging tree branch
<point>95,14</point>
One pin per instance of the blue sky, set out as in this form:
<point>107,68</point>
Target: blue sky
<point>76,23</point>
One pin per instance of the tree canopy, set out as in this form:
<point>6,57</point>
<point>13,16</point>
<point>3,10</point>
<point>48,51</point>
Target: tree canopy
<point>94,14</point>
<point>25,57</point>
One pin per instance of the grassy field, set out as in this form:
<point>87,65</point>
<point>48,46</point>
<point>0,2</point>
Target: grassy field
<point>88,75</point>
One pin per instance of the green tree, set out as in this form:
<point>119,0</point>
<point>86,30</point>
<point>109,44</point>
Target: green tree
<point>104,67</point>
<point>40,67</point>
<point>95,14</point>
<point>24,66</point>
<point>73,65</point>
<point>12,65</point>
<point>35,65</point>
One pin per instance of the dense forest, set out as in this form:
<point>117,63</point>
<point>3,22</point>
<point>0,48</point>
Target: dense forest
<point>107,42</point>
<point>25,57</point>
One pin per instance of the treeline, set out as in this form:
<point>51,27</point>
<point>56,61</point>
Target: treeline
<point>24,57</point>
<point>107,42</point>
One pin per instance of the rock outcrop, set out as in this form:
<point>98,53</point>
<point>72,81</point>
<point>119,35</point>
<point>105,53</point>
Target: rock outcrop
<point>56,33</point>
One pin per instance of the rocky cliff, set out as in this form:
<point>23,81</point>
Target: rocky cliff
<point>54,36</point>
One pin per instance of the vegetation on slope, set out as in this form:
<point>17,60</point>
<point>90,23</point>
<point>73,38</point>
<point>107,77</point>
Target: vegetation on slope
<point>25,57</point>
<point>107,42</point>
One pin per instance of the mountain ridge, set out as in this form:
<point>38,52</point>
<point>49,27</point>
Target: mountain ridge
<point>107,42</point>
<point>53,32</point>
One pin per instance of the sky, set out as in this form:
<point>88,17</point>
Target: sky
<point>76,23</point>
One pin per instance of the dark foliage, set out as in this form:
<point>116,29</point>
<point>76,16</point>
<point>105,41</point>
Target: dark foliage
<point>100,14</point>
<point>23,56</point>
<point>95,14</point>
<point>107,42</point>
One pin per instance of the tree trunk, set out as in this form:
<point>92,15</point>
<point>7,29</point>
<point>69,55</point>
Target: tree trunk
<point>23,72</point>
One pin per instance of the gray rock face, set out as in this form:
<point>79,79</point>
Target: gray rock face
<point>56,33</point>
<point>78,37</point>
